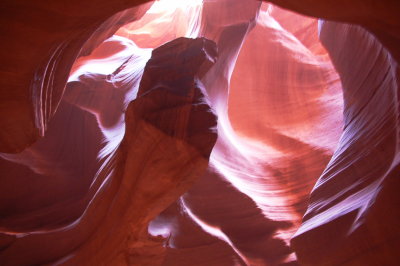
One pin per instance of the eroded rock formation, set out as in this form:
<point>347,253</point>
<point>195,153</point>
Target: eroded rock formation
<point>354,201</point>
<point>262,138</point>
<point>51,36</point>
<point>166,144</point>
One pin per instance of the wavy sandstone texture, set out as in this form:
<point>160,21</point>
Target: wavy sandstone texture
<point>43,41</point>
<point>223,132</point>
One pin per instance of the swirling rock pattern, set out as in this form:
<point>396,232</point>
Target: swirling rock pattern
<point>167,141</point>
<point>262,138</point>
<point>51,36</point>
<point>355,191</point>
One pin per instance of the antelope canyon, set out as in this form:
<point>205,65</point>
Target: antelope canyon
<point>199,132</point>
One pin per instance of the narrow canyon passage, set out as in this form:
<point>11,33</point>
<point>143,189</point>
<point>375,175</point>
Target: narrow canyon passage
<point>215,132</point>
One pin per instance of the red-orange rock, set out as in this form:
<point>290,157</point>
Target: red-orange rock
<point>165,148</point>
<point>42,41</point>
<point>85,177</point>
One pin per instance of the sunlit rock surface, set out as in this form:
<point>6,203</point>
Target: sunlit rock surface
<point>43,40</point>
<point>379,17</point>
<point>166,144</point>
<point>353,213</point>
<point>268,138</point>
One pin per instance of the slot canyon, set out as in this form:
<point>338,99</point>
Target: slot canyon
<point>199,132</point>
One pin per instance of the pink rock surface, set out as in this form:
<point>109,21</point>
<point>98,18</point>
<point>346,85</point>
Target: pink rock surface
<point>43,40</point>
<point>269,138</point>
<point>167,140</point>
<point>352,212</point>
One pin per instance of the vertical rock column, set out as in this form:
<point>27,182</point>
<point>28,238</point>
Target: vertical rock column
<point>168,135</point>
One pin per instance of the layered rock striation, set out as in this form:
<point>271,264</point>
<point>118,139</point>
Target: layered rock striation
<point>229,132</point>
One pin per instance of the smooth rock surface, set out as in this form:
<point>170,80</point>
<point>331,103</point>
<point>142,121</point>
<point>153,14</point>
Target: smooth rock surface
<point>166,143</point>
<point>41,42</point>
<point>353,214</point>
<point>107,141</point>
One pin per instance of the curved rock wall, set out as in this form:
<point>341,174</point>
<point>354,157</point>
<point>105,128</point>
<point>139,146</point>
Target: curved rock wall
<point>119,166</point>
<point>43,40</point>
<point>351,202</point>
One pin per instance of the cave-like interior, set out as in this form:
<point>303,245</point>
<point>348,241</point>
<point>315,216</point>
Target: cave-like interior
<point>199,132</point>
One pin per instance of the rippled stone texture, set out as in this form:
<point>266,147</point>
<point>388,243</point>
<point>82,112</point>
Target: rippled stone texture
<point>43,40</point>
<point>379,17</point>
<point>353,215</point>
<point>69,197</point>
<point>166,145</point>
